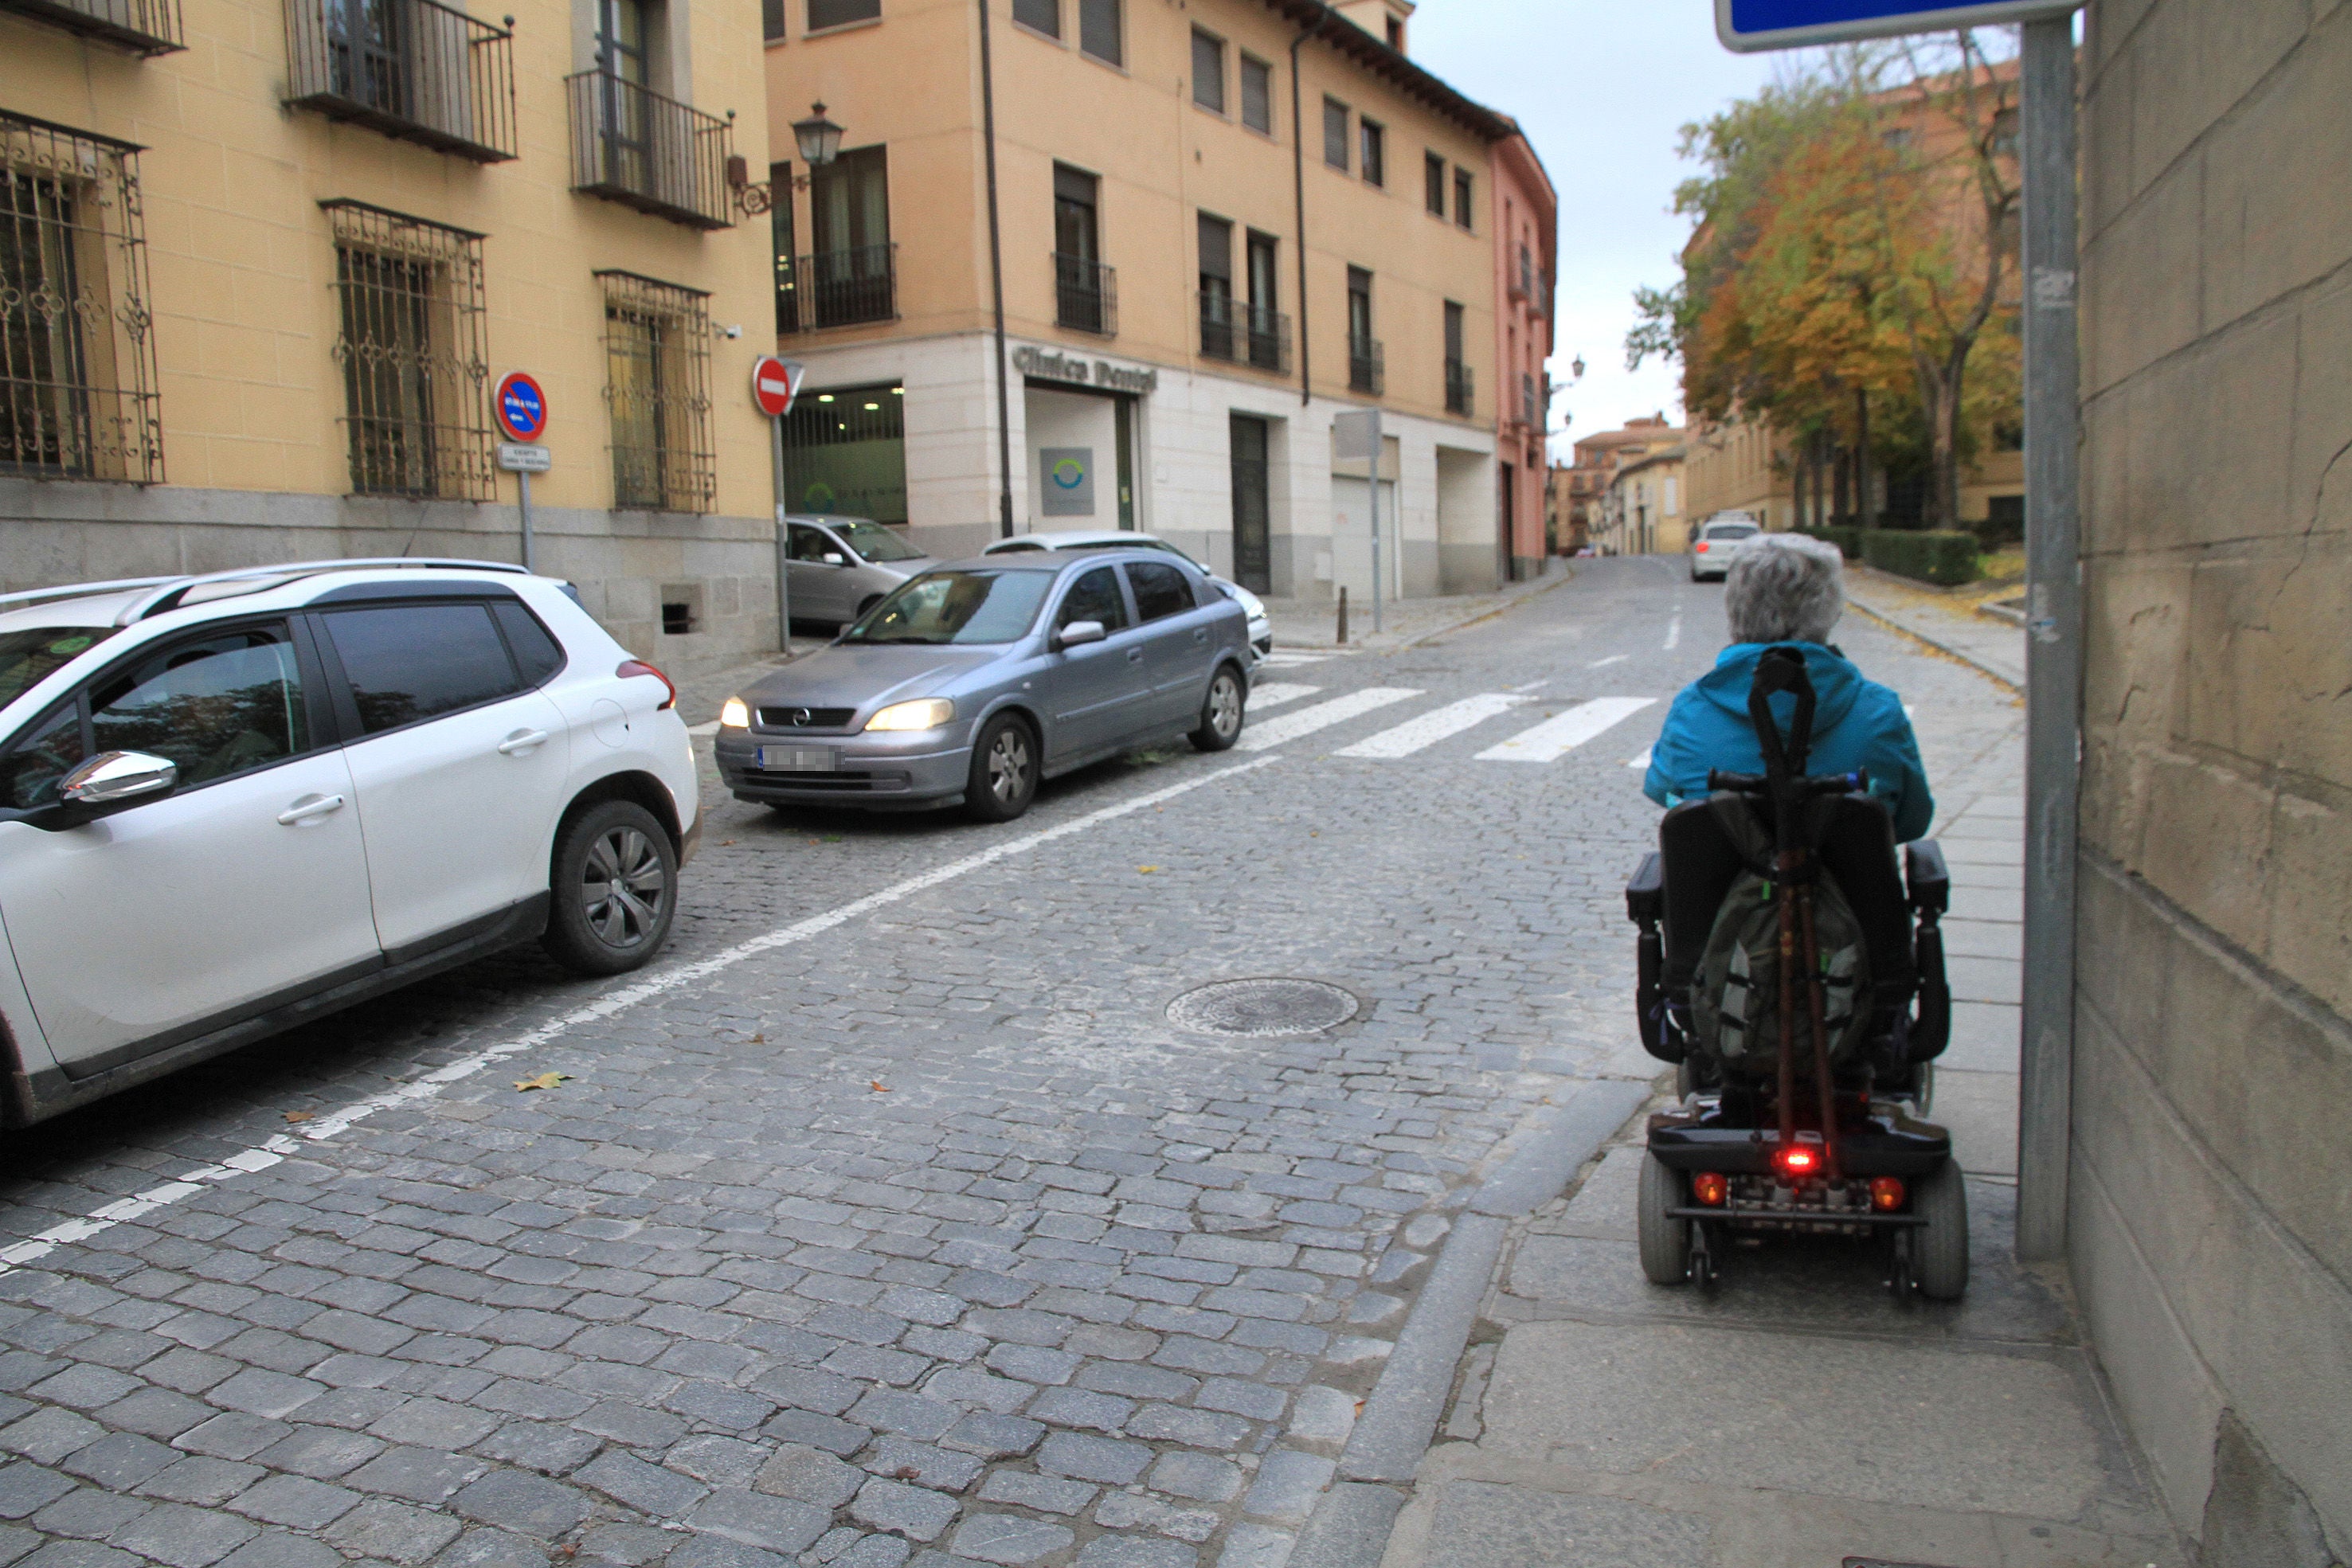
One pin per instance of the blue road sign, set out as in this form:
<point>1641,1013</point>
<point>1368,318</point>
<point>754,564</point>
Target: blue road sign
<point>520,407</point>
<point>1750,24</point>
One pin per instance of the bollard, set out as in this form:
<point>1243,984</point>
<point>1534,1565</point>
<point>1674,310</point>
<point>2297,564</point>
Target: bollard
<point>1343,615</point>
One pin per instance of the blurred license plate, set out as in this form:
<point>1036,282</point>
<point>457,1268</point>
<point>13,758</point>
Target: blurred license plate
<point>798,759</point>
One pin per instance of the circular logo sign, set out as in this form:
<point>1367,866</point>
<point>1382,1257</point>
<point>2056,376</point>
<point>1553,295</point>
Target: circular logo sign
<point>773,383</point>
<point>520,407</point>
<point>1069,473</point>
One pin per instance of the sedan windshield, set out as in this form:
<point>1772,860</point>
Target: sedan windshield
<point>28,656</point>
<point>956,607</point>
<point>874,542</point>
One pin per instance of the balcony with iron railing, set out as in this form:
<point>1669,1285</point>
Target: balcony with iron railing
<point>1085,295</point>
<point>1460,393</point>
<point>141,26</point>
<point>1244,334</point>
<point>841,289</point>
<point>1367,366</point>
<point>414,70</point>
<point>634,146</point>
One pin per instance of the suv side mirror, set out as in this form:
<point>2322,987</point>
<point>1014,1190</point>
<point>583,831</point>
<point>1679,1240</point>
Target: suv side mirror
<point>1079,632</point>
<point>833,558</point>
<point>109,782</point>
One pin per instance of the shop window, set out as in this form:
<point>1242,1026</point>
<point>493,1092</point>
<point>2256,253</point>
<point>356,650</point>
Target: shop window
<point>845,452</point>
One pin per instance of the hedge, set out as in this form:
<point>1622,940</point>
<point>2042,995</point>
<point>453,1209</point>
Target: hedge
<point>1946,559</point>
<point>1847,539</point>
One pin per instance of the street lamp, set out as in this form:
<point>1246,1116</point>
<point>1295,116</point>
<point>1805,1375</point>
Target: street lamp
<point>819,140</point>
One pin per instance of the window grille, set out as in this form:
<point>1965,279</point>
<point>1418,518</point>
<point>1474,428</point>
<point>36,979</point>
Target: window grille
<point>658,383</point>
<point>78,398</point>
<point>414,355</point>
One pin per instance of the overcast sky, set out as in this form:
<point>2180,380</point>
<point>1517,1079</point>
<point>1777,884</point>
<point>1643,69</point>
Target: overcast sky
<point>1601,88</point>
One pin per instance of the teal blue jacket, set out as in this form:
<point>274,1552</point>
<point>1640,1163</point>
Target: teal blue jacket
<point>1859,726</point>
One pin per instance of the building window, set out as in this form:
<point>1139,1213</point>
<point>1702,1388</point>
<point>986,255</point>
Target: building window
<point>1457,371</point>
<point>1396,35</point>
<point>1257,94</point>
<point>771,19</point>
<point>1433,182</point>
<point>413,353</point>
<point>1083,294</point>
<point>1269,329</point>
<point>1207,72</point>
<point>1334,133</point>
<point>1364,369</point>
<point>1218,339</point>
<point>1375,138</point>
<point>780,237</point>
<point>845,452</point>
<point>78,397</point>
<point>852,275</point>
<point>411,68</point>
<point>1462,190</point>
<point>1099,31</point>
<point>658,384</point>
<point>1045,16</point>
<point>841,13</point>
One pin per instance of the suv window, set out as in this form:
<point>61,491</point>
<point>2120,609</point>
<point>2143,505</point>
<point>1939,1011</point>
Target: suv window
<point>1160,591</point>
<point>1095,597</point>
<point>534,647</point>
<point>219,705</point>
<point>412,662</point>
<point>29,774</point>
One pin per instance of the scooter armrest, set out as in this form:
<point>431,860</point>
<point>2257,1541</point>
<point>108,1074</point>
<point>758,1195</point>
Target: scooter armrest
<point>1927,877</point>
<point>1646,895</point>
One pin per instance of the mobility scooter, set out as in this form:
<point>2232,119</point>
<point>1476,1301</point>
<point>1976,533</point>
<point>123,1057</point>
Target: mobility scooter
<point>1797,985</point>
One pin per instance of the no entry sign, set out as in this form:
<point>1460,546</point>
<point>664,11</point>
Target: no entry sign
<point>520,407</point>
<point>774,383</point>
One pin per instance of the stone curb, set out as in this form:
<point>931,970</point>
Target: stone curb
<point>1950,648</point>
<point>1544,585</point>
<point>1349,1528</point>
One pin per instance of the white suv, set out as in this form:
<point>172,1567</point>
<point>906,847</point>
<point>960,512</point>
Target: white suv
<point>230,804</point>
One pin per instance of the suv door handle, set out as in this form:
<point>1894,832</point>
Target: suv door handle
<point>521,740</point>
<point>308,809</point>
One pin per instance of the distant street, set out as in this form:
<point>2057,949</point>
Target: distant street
<point>890,1210</point>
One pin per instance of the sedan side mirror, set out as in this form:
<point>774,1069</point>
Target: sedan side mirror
<point>833,558</point>
<point>1079,632</point>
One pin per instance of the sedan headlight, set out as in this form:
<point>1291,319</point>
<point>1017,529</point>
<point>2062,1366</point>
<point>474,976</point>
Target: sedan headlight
<point>926,712</point>
<point>734,715</point>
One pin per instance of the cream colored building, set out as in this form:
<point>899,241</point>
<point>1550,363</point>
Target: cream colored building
<point>279,255</point>
<point>1152,203</point>
<point>1747,466</point>
<point>1644,510</point>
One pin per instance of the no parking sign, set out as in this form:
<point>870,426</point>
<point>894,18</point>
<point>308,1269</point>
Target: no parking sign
<point>520,407</point>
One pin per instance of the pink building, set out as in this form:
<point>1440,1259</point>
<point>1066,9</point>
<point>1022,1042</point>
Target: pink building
<point>1527,254</point>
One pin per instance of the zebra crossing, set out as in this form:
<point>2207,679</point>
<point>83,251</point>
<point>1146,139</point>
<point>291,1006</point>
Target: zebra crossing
<point>1545,742</point>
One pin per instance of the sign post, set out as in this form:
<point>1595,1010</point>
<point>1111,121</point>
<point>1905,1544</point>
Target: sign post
<point>2053,644</point>
<point>774,383</point>
<point>521,408</point>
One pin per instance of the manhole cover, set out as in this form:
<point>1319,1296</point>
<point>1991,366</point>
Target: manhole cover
<point>1255,1007</point>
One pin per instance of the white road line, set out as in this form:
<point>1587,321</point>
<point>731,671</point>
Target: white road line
<point>1600,663</point>
<point>1674,629</point>
<point>1640,762</point>
<point>1322,716</point>
<point>271,1150</point>
<point>1532,685</point>
<point>1278,657</point>
<point>1433,727</point>
<point>1274,693</point>
<point>1556,737</point>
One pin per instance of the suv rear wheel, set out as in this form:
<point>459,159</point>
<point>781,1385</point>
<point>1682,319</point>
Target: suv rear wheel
<point>615,885</point>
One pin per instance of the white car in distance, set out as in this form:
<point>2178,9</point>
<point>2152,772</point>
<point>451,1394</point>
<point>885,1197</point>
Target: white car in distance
<point>1715,541</point>
<point>230,804</point>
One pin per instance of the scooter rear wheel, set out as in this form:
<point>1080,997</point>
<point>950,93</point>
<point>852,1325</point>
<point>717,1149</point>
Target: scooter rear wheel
<point>1665,1240</point>
<point>1939,1249</point>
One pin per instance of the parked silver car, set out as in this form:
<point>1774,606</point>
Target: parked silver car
<point>1715,541</point>
<point>839,567</point>
<point>1261,630</point>
<point>974,681</point>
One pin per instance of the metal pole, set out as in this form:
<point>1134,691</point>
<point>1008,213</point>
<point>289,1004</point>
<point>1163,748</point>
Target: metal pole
<point>2053,649</point>
<point>1378,442</point>
<point>529,551</point>
<point>783,578</point>
<point>996,284</point>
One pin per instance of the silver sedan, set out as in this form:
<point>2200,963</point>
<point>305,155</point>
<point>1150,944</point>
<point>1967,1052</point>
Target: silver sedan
<point>973,682</point>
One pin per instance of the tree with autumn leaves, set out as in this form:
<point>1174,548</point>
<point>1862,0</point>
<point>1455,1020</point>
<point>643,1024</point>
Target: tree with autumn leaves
<point>1851,282</point>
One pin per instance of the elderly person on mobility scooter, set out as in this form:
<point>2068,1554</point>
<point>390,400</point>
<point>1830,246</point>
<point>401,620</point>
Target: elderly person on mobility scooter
<point>1791,974</point>
<point>1788,588</point>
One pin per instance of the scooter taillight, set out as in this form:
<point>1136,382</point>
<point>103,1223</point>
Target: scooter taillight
<point>1795,1162</point>
<point>1886,1193</point>
<point>1710,1187</point>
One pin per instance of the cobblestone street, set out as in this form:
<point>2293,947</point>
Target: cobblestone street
<point>889,1218</point>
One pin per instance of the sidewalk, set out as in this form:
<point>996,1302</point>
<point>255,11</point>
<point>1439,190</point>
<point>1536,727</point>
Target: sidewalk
<point>1403,623</point>
<point>1949,621</point>
<point>1795,1417</point>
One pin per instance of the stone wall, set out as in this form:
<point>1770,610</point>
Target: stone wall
<point>2210,1224</point>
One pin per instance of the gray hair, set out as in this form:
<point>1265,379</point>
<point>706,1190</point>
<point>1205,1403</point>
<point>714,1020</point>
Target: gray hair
<point>1785,587</point>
